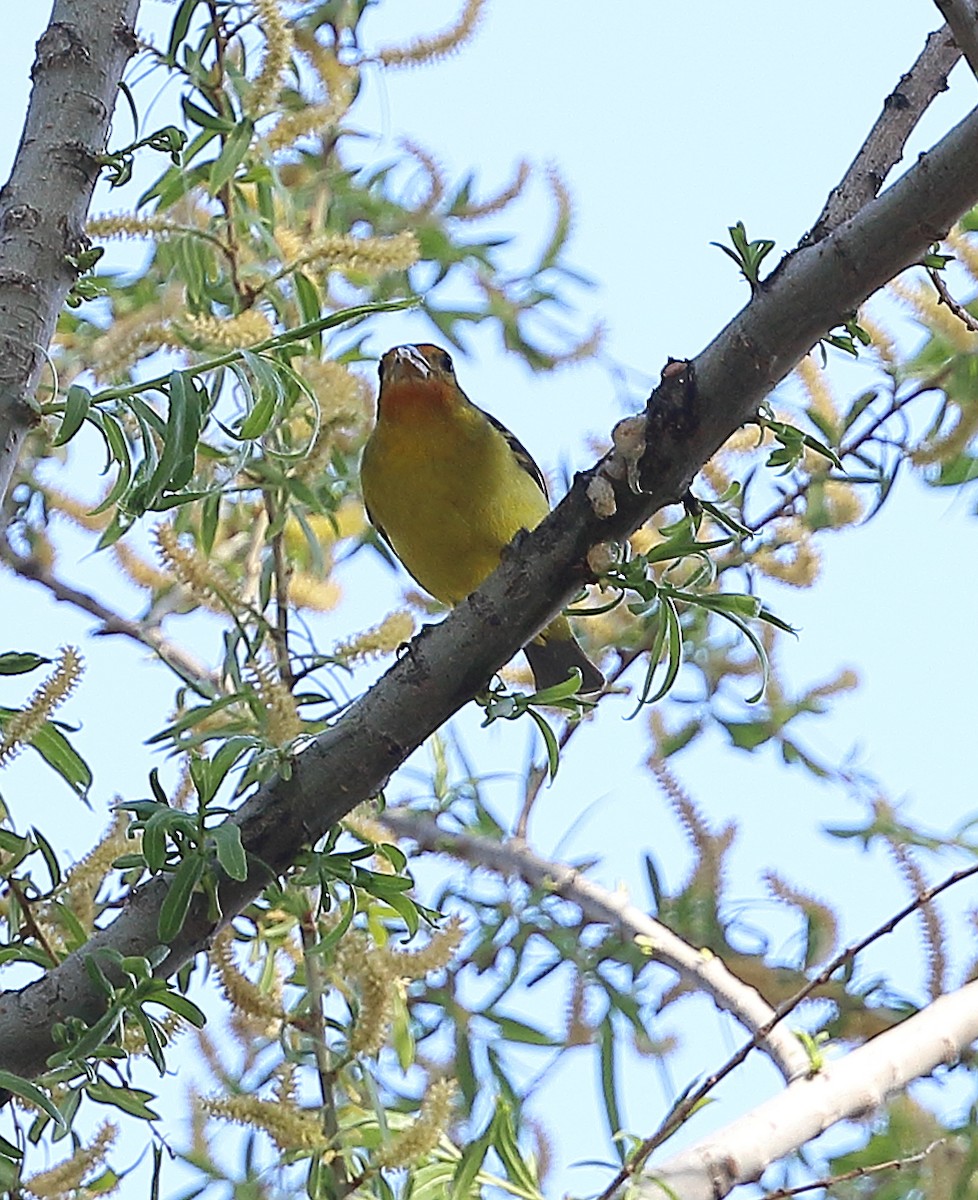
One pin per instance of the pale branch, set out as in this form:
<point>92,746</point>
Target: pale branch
<point>694,1097</point>
<point>43,206</point>
<point>884,146</point>
<point>851,1087</point>
<point>178,659</point>
<point>689,416</point>
<point>702,970</point>
<point>962,18</point>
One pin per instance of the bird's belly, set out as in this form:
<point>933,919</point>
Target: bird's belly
<point>447,523</point>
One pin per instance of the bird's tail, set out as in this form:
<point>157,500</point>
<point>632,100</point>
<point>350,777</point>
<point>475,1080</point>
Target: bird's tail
<point>553,654</point>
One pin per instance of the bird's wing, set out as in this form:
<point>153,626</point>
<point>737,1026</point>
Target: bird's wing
<point>523,457</point>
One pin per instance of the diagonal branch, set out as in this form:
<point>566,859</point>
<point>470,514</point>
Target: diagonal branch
<point>849,1087</point>
<point>962,17</point>
<point>706,972</point>
<point>43,205</point>
<point>111,622</point>
<point>688,418</point>
<point>883,148</point>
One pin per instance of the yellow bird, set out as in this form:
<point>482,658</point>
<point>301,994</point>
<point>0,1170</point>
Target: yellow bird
<point>449,487</point>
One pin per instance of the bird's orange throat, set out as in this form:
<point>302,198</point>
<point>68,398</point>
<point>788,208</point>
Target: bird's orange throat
<point>412,398</point>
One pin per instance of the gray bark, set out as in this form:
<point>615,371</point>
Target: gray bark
<point>43,206</point>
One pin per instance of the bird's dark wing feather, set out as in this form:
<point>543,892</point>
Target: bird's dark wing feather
<point>520,453</point>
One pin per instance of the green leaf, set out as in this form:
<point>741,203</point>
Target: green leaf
<point>513,1030</point>
<point>609,1085</point>
<point>32,1094</point>
<point>14,663</point>
<point>176,905</point>
<point>57,752</point>
<point>77,404</point>
<point>129,1100</point>
<point>227,162</point>
<point>230,851</point>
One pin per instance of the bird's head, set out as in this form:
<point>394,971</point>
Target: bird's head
<point>422,373</point>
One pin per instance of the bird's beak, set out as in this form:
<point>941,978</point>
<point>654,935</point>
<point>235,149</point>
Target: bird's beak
<point>405,362</point>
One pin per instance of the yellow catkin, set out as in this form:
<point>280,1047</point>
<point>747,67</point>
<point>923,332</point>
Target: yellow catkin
<point>68,1176</point>
<point>289,1127</point>
<point>438,45</point>
<point>228,333</point>
<point>312,593</point>
<point>842,502</point>
<point>128,341</point>
<point>344,400</point>
<point>955,435</point>
<point>846,681</point>
<point>435,956</point>
<point>934,315</point>
<point>23,726</point>
<point>794,560</point>
<point>385,638</point>
<point>965,250</point>
<point>131,225</point>
<point>282,722</point>
<point>208,584</point>
<point>341,82</point>
<point>815,383</point>
<point>377,983</point>
<point>364,824</point>
<point>278,50</point>
<point>883,345</point>
<point>421,1137</point>
<point>367,256</point>
<point>88,875</point>
<point>139,571</point>
<point>238,989</point>
<point>75,510</point>
<point>495,204</point>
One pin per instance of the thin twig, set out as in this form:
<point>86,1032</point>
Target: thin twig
<point>704,971</point>
<point>690,1102</point>
<point>883,147</point>
<point>32,926</point>
<point>892,1164</point>
<point>962,18</point>
<point>316,991</point>
<point>176,658</point>
<point>959,310</point>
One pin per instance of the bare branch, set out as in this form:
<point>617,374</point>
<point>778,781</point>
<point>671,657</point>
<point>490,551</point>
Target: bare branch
<point>891,1165</point>
<point>962,17</point>
<point>706,972</point>
<point>110,622</point>
<point>693,1098</point>
<point>959,310</point>
<point>690,415</point>
<point>883,148</point>
<point>849,1087</point>
<point>79,63</point>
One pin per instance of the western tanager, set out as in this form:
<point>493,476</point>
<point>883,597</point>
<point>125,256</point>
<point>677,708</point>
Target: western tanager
<point>449,487</point>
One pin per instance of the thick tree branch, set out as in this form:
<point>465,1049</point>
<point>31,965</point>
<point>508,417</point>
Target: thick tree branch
<point>705,972</point>
<point>883,148</point>
<point>688,418</point>
<point>849,1087</point>
<point>962,17</point>
<point>80,60</point>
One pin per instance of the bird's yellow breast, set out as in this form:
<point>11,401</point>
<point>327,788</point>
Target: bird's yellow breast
<point>444,486</point>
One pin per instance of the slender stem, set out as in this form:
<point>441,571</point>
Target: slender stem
<point>315,990</point>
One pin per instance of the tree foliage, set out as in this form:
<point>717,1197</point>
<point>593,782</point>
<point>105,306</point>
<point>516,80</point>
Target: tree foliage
<point>365,1040</point>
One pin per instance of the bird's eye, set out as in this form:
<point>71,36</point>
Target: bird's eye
<point>445,362</point>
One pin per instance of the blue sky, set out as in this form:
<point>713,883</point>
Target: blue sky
<point>669,123</point>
